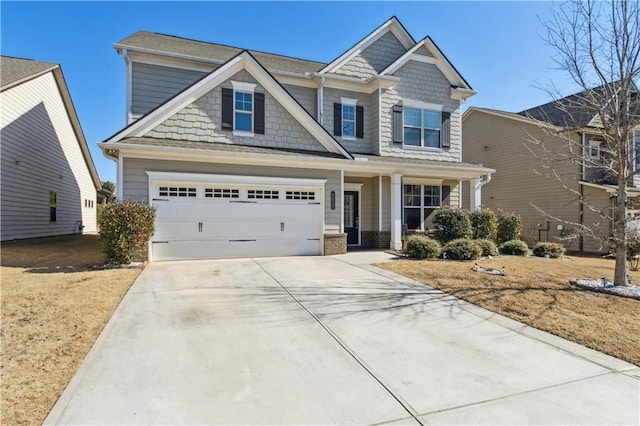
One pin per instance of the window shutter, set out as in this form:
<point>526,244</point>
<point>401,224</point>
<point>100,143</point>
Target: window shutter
<point>359,122</point>
<point>398,125</point>
<point>445,130</point>
<point>446,195</point>
<point>227,109</point>
<point>258,113</point>
<point>337,119</point>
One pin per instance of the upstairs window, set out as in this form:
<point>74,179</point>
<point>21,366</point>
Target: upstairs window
<point>594,149</point>
<point>348,119</point>
<point>243,111</point>
<point>422,127</point>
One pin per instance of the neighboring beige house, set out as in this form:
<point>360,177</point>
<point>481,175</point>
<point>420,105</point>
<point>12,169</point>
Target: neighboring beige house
<point>256,154</point>
<point>541,187</point>
<point>48,179</point>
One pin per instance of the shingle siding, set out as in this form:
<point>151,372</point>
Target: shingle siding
<point>306,96</point>
<point>201,122</point>
<point>424,83</point>
<point>368,144</point>
<point>40,153</point>
<point>374,58</point>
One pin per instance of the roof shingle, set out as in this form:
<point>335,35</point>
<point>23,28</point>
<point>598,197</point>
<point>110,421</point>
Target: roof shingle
<point>13,69</point>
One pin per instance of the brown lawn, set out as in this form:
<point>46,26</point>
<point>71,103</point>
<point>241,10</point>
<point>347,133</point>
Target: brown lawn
<point>536,291</point>
<point>53,308</point>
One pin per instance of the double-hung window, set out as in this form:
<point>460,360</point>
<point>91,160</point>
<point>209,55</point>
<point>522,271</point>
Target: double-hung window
<point>594,149</point>
<point>422,127</point>
<point>243,111</point>
<point>419,203</point>
<point>348,121</point>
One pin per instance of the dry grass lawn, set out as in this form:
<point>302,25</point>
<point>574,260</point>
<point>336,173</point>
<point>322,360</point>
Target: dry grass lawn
<point>536,291</point>
<point>53,308</point>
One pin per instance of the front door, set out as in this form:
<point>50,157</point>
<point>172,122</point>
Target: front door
<point>352,217</point>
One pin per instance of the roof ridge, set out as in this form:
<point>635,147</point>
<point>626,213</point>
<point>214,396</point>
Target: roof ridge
<point>226,45</point>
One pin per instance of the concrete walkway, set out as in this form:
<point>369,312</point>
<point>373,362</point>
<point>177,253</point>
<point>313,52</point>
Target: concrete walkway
<point>330,340</point>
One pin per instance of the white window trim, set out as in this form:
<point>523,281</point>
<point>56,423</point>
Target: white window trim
<point>243,87</point>
<point>424,107</point>
<point>422,183</point>
<point>594,144</point>
<point>352,103</point>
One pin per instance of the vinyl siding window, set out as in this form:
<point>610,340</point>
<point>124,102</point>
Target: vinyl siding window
<point>349,121</point>
<point>422,127</point>
<point>594,149</point>
<point>243,111</point>
<point>418,204</point>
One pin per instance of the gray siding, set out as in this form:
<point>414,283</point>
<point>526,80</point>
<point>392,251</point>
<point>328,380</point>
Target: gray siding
<point>423,83</point>
<point>306,96</point>
<point>40,153</point>
<point>154,84</point>
<point>136,182</point>
<point>201,122</point>
<point>368,144</point>
<point>374,58</point>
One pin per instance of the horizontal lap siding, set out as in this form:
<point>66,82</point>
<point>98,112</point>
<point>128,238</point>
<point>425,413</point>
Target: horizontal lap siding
<point>153,84</point>
<point>40,153</point>
<point>306,96</point>
<point>135,180</point>
<point>522,179</point>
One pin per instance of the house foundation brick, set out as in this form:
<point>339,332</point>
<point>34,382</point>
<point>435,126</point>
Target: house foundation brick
<point>335,244</point>
<point>375,239</point>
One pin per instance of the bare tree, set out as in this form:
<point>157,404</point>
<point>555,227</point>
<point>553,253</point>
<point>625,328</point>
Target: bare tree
<point>597,44</point>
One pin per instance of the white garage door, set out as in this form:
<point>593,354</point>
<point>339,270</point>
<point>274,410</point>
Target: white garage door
<point>225,217</point>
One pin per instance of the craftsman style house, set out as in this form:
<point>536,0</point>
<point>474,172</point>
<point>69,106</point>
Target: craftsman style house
<point>543,176</point>
<point>254,154</point>
<point>49,182</point>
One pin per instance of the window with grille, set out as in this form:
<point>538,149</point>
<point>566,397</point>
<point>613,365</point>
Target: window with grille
<point>221,193</point>
<point>301,195</point>
<point>177,191</point>
<point>263,194</point>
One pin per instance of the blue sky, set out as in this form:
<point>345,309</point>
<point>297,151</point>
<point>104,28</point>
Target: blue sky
<point>497,46</point>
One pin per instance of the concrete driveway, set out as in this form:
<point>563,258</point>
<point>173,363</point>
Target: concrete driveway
<point>330,340</point>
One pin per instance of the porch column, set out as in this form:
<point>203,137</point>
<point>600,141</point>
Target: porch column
<point>396,211</point>
<point>475,194</point>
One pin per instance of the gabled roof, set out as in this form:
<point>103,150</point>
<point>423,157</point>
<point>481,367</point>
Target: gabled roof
<point>144,41</point>
<point>245,61</point>
<point>573,111</point>
<point>393,25</point>
<point>438,58</point>
<point>17,70</point>
<point>505,114</point>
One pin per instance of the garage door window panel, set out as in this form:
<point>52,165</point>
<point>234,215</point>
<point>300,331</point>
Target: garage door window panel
<point>177,191</point>
<point>221,193</point>
<point>263,194</point>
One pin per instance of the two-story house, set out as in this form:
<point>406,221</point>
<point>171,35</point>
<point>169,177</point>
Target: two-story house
<point>248,153</point>
<point>551,169</point>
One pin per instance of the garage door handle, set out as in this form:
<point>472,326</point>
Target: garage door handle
<point>315,203</point>
<point>159,242</point>
<point>240,241</point>
<point>281,226</point>
<point>160,199</point>
<point>199,226</point>
<point>243,201</point>
<point>313,239</point>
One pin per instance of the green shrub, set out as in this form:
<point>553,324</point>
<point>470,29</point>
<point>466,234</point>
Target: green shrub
<point>462,249</point>
<point>451,223</point>
<point>125,228</point>
<point>515,247</point>
<point>546,249</point>
<point>488,247</point>
<point>484,223</point>
<point>509,227</point>
<point>421,247</point>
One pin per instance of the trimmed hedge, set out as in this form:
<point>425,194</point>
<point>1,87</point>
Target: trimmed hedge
<point>547,249</point>
<point>509,227</point>
<point>515,247</point>
<point>484,223</point>
<point>421,247</point>
<point>451,223</point>
<point>125,229</point>
<point>462,249</point>
<point>488,247</point>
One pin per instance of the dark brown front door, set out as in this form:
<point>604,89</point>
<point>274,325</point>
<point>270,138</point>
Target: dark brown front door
<point>352,217</point>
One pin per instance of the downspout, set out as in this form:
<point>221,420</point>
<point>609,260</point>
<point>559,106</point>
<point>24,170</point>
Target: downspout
<point>127,61</point>
<point>321,101</point>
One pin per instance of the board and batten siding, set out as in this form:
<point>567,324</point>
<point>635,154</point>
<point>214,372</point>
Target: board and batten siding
<point>40,153</point>
<point>136,182</point>
<point>152,85</point>
<point>522,183</point>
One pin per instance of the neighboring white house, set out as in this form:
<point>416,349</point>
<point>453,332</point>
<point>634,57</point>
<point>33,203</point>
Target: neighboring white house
<point>256,154</point>
<point>48,180</point>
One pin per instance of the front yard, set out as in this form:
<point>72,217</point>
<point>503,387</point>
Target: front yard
<point>54,306</point>
<point>536,291</point>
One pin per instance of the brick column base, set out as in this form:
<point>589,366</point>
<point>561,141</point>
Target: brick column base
<point>335,244</point>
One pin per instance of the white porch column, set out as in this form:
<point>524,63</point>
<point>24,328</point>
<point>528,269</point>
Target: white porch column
<point>475,194</point>
<point>396,211</point>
